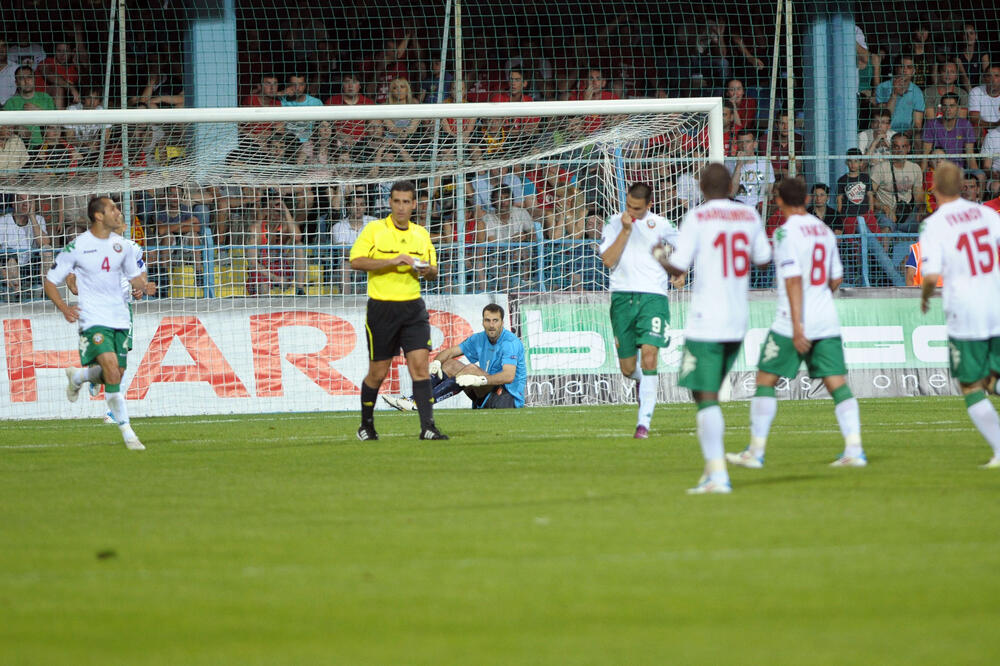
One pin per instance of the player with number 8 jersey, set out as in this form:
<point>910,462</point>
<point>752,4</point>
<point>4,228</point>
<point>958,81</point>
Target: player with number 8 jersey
<point>805,329</point>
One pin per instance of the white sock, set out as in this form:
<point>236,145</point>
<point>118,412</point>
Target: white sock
<point>988,423</point>
<point>89,374</point>
<point>636,374</point>
<point>648,386</point>
<point>763,408</point>
<point>116,403</point>
<point>711,428</point>
<point>849,418</point>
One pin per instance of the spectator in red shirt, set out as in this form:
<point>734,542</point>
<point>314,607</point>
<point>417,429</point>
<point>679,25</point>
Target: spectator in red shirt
<point>268,96</point>
<point>746,107</point>
<point>592,88</point>
<point>386,67</point>
<point>349,132</point>
<point>59,76</point>
<point>516,127</point>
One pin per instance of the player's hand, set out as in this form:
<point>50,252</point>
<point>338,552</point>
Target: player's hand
<point>435,369</point>
<point>465,381</point>
<point>401,260</point>
<point>678,281</point>
<point>925,305</point>
<point>71,313</point>
<point>801,342</point>
<point>661,252</point>
<point>627,222</point>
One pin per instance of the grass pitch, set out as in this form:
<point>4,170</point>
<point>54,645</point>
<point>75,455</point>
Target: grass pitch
<point>545,536</point>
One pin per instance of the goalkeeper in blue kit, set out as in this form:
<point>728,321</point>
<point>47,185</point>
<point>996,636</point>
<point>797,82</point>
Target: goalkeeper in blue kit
<point>494,378</point>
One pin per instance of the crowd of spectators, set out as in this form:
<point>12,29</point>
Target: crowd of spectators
<point>931,93</point>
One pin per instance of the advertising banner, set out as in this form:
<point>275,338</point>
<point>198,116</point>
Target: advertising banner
<point>252,360</point>
<point>891,349</point>
<point>215,359</point>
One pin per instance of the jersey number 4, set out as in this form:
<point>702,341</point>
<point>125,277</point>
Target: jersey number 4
<point>106,265</point>
<point>734,253</point>
<point>983,248</point>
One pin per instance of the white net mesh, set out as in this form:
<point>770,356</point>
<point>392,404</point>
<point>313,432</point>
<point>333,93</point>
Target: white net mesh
<point>511,210</point>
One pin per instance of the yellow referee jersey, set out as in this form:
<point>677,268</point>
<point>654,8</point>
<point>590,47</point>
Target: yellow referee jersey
<point>382,240</point>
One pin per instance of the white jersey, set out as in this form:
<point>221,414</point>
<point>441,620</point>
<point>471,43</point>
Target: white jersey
<point>959,242</point>
<point>99,265</point>
<point>126,284</point>
<point>637,270</point>
<point>805,247</point>
<point>722,239</point>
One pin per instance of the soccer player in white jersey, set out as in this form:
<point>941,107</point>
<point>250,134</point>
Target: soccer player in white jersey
<point>959,242</point>
<point>721,238</point>
<point>640,310</point>
<point>806,328</point>
<point>99,258</point>
<point>130,295</point>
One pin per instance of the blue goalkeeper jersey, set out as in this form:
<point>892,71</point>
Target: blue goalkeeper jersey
<point>508,350</point>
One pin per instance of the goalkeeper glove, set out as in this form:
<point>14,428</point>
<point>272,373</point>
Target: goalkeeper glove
<point>435,369</point>
<point>466,381</point>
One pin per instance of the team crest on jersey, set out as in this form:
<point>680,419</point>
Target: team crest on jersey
<point>117,247</point>
<point>651,223</point>
<point>98,338</point>
<point>771,349</point>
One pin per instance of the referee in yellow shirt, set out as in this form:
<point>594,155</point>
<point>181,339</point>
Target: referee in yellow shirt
<point>396,253</point>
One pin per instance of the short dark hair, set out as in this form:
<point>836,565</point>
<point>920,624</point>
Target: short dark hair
<point>747,130</point>
<point>519,70</point>
<point>882,113</point>
<point>821,186</point>
<point>728,104</point>
<point>404,186</point>
<point>95,206</point>
<point>715,181</point>
<point>501,193</point>
<point>493,307</point>
<point>792,191</point>
<point>853,151</point>
<point>641,191</point>
<point>17,72</point>
<point>952,96</point>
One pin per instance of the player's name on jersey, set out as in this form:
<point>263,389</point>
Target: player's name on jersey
<point>964,216</point>
<point>725,215</point>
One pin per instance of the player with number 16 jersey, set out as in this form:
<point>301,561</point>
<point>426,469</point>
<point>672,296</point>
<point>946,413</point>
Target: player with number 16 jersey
<point>722,239</point>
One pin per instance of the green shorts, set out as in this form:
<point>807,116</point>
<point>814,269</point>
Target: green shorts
<point>972,360</point>
<point>824,359</point>
<point>97,340</point>
<point>639,319</point>
<point>131,328</point>
<point>706,364</point>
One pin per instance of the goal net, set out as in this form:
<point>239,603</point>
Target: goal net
<point>247,216</point>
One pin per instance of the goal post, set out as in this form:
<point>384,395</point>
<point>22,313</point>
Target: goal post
<point>248,240</point>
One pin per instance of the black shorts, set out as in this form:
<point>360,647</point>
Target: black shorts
<point>395,325</point>
<point>499,398</point>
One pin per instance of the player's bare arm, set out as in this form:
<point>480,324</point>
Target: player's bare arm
<point>835,284</point>
<point>613,254</point>
<point>448,354</point>
<point>369,264</point>
<point>70,312</point>
<point>927,290</point>
<point>793,286</point>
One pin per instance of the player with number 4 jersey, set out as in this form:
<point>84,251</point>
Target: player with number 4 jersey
<point>640,311</point>
<point>806,328</point>
<point>960,241</point>
<point>722,239</point>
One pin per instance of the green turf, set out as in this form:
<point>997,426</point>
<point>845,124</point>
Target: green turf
<point>546,536</point>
